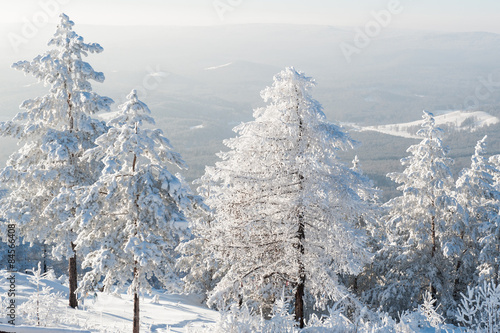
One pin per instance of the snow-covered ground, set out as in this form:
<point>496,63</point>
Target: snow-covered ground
<point>459,120</point>
<point>160,312</point>
<point>217,67</point>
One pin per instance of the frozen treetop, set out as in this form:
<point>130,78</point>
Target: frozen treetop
<point>126,135</point>
<point>429,128</point>
<point>481,146</point>
<point>70,99</point>
<point>289,98</point>
<point>68,49</point>
<point>69,40</point>
<point>132,112</point>
<point>289,82</point>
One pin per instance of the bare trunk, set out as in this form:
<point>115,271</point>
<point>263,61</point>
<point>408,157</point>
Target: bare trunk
<point>72,269</point>
<point>433,236</point>
<point>355,285</point>
<point>432,288</point>
<point>73,283</point>
<point>456,283</point>
<point>136,325</point>
<point>136,314</point>
<point>299,293</point>
<point>137,322</point>
<point>299,300</point>
<point>299,305</point>
<point>44,265</point>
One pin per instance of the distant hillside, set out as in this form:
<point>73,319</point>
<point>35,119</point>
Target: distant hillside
<point>200,82</point>
<point>383,146</point>
<point>448,121</point>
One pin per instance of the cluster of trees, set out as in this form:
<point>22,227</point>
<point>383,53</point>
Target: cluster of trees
<point>278,216</point>
<point>84,186</point>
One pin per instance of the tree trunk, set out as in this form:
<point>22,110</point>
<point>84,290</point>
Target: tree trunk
<point>432,288</point>
<point>299,293</point>
<point>72,270</point>
<point>44,266</point>
<point>73,283</point>
<point>301,235</point>
<point>136,314</point>
<point>136,308</point>
<point>299,303</point>
<point>456,283</point>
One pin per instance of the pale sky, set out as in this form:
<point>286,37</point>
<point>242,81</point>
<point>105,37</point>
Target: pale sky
<point>439,15</point>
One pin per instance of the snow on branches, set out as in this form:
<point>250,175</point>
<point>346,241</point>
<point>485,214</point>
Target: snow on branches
<point>134,215</point>
<point>285,208</point>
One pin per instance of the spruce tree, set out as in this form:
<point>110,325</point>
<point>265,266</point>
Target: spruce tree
<point>285,207</point>
<point>133,217</point>
<point>54,131</point>
<point>421,228</point>
<point>480,199</point>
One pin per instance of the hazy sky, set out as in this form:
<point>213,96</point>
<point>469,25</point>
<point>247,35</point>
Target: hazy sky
<point>441,15</point>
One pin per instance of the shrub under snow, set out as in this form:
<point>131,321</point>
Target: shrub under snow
<point>480,308</point>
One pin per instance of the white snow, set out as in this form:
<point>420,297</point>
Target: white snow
<point>460,120</point>
<point>217,67</point>
<point>110,313</point>
<point>107,116</point>
<point>197,127</point>
<point>160,74</point>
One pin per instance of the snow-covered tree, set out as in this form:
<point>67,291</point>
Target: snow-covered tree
<point>371,224</point>
<point>201,270</point>
<point>479,308</point>
<point>480,199</point>
<point>134,215</point>
<point>421,226</point>
<point>285,208</point>
<point>54,131</point>
<point>38,309</point>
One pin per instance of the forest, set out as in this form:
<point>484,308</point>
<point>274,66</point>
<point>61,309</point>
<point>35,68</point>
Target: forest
<point>279,235</point>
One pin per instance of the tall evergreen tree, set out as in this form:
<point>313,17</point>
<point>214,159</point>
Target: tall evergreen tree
<point>480,199</point>
<point>285,208</point>
<point>54,131</point>
<point>134,215</point>
<point>421,225</point>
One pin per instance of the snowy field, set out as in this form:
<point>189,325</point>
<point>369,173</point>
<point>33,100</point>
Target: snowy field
<point>458,120</point>
<point>160,312</point>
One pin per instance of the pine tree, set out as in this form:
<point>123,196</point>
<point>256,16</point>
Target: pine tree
<point>371,224</point>
<point>285,208</point>
<point>54,131</point>
<point>134,215</point>
<point>490,235</point>
<point>421,225</point>
<point>480,199</point>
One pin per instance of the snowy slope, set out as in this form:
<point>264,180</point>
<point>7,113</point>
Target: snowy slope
<point>457,120</point>
<point>217,67</point>
<point>160,312</point>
